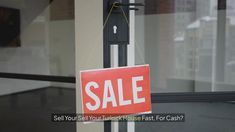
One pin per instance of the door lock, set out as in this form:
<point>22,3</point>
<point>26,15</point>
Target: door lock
<point>115,29</point>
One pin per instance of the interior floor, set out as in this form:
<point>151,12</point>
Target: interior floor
<point>31,111</point>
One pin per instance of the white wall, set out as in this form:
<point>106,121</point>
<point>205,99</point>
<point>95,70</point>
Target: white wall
<point>32,60</point>
<point>32,56</point>
<point>89,48</point>
<point>62,50</point>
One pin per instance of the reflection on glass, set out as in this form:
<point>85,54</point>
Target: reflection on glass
<point>230,43</point>
<point>183,42</point>
<point>39,40</point>
<point>37,37</point>
<point>45,43</point>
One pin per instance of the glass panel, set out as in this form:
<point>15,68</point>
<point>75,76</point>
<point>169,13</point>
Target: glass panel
<point>230,47</point>
<point>37,37</point>
<point>203,117</point>
<point>188,44</point>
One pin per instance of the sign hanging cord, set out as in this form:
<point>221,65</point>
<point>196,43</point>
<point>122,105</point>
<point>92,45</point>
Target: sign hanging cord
<point>110,12</point>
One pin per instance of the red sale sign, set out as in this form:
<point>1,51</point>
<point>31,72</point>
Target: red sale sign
<point>116,91</point>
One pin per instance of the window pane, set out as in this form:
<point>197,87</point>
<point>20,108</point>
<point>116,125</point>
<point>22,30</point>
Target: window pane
<point>37,37</point>
<point>230,47</point>
<point>188,44</point>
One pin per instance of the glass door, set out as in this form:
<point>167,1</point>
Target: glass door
<point>189,47</point>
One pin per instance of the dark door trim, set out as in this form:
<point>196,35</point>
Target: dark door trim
<point>36,77</point>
